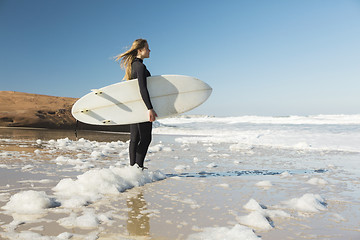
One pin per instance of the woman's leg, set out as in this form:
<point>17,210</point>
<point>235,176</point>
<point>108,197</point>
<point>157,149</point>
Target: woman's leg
<point>134,142</point>
<point>144,130</point>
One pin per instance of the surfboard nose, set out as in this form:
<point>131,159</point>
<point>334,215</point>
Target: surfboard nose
<point>205,85</point>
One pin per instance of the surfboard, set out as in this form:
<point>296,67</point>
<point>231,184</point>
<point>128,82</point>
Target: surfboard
<point>121,103</point>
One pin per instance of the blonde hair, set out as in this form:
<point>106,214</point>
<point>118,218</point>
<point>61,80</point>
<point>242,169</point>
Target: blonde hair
<point>128,57</point>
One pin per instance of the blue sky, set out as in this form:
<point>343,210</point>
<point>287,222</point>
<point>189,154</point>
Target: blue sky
<point>262,57</point>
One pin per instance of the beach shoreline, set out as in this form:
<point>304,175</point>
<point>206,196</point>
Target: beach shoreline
<point>210,187</point>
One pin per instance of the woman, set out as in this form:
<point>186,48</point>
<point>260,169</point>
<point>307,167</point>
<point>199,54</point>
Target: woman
<point>140,133</point>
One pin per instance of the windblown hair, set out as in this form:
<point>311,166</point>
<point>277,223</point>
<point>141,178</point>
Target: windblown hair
<point>128,57</point>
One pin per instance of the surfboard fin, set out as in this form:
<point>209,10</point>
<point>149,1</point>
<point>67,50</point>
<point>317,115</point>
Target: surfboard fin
<point>96,91</point>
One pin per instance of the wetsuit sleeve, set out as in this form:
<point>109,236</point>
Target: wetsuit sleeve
<point>141,76</point>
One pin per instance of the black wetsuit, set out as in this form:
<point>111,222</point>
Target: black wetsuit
<point>140,133</point>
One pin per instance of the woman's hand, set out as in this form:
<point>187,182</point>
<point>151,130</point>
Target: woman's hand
<point>152,115</point>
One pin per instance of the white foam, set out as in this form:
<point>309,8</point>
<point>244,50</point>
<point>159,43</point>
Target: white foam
<point>196,160</point>
<point>97,154</point>
<point>216,233</point>
<point>93,184</point>
<point>260,217</point>
<point>124,152</point>
<point>65,235</point>
<point>210,150</point>
<point>180,168</point>
<point>193,204</point>
<point>96,149</point>
<point>167,149</point>
<point>45,181</point>
<point>298,120</point>
<point>264,184</point>
<point>89,219</point>
<point>317,181</point>
<point>29,202</point>
<point>24,235</point>
<point>27,167</point>
<point>4,197</point>
<point>156,148</point>
<point>212,165</point>
<point>309,202</point>
<point>253,205</point>
<point>285,174</point>
<point>63,160</point>
<point>255,219</point>
<point>269,132</point>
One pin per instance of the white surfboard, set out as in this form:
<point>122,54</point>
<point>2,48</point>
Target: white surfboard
<point>121,103</point>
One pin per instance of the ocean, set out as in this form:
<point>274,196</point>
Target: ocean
<point>246,177</point>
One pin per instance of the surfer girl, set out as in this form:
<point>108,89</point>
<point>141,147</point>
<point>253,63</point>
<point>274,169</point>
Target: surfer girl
<point>140,133</point>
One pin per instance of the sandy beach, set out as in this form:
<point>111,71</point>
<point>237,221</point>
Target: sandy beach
<point>253,178</point>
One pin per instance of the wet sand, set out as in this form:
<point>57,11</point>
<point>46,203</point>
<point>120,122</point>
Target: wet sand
<point>48,134</point>
<point>183,204</point>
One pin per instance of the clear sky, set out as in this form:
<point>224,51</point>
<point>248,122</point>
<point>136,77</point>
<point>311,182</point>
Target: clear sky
<point>261,57</point>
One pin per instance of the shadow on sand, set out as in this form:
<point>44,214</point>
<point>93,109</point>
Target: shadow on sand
<point>205,174</point>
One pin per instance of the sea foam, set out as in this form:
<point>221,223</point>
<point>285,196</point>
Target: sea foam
<point>93,184</point>
<point>29,202</point>
<point>235,233</point>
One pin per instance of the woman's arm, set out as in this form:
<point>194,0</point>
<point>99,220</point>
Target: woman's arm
<point>142,75</point>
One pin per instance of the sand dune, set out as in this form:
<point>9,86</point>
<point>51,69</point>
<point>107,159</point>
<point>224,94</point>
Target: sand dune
<point>18,109</point>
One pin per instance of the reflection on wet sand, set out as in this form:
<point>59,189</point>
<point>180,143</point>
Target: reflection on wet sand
<point>138,223</point>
